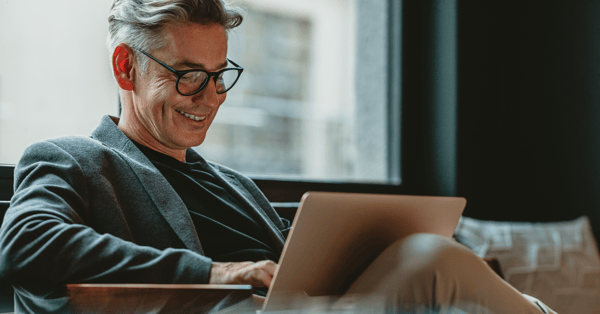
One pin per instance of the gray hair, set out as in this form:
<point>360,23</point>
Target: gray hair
<point>140,23</point>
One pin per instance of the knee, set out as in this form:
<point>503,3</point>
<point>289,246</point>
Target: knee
<point>430,254</point>
<point>413,263</point>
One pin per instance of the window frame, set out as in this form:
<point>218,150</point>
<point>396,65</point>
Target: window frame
<point>6,181</point>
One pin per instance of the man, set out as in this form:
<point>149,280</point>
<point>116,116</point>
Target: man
<point>134,204</point>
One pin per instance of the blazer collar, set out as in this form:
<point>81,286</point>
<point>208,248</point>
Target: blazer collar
<point>164,196</point>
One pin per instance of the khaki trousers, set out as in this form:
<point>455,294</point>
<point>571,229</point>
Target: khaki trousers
<point>426,273</point>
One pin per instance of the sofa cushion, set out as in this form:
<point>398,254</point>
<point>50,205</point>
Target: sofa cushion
<point>556,262</point>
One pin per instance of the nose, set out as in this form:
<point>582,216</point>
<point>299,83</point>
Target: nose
<point>208,96</point>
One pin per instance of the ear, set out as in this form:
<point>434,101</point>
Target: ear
<point>121,63</point>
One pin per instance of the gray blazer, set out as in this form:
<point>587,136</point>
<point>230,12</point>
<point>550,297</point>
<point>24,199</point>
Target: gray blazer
<point>97,210</point>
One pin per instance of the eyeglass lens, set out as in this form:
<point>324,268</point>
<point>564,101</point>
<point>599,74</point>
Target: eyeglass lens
<point>191,82</point>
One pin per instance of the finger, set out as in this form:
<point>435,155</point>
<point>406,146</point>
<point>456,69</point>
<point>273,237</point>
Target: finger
<point>269,266</point>
<point>257,274</point>
<point>252,275</point>
<point>266,279</point>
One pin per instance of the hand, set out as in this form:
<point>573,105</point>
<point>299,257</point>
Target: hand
<point>259,274</point>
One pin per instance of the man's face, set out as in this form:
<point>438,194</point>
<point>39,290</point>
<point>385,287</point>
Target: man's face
<point>159,108</point>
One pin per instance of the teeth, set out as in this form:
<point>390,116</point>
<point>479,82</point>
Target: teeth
<point>193,117</point>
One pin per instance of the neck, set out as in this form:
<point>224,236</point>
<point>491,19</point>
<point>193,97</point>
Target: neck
<point>134,130</point>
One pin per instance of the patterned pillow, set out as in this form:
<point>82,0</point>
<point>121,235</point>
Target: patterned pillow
<point>556,262</point>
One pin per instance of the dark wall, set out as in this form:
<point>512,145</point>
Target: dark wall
<point>527,109</point>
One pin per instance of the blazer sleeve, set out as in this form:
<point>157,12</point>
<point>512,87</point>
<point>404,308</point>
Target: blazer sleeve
<point>45,244</point>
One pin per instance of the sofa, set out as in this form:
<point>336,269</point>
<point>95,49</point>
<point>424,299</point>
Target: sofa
<point>556,262</point>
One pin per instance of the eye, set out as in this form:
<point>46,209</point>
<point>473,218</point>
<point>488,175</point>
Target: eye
<point>193,77</point>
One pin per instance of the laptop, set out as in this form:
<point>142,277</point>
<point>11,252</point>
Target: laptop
<point>335,236</point>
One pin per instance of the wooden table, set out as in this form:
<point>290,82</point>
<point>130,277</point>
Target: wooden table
<point>155,298</point>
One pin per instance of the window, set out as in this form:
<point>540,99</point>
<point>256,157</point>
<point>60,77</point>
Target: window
<point>54,73</point>
<point>311,105</point>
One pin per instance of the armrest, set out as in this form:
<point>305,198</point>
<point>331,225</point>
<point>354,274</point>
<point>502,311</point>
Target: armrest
<point>155,298</point>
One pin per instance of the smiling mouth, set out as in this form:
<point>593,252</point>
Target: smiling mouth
<point>191,116</point>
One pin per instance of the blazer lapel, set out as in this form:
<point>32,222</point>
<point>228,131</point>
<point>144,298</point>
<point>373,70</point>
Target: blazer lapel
<point>237,190</point>
<point>164,196</point>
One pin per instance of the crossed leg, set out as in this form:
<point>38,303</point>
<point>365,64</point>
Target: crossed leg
<point>429,273</point>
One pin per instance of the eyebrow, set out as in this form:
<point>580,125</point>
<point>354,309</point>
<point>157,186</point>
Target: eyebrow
<point>192,65</point>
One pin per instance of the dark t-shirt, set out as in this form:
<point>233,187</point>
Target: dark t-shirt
<point>227,230</point>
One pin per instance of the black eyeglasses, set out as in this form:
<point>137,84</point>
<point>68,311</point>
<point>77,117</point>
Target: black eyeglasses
<point>191,82</point>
